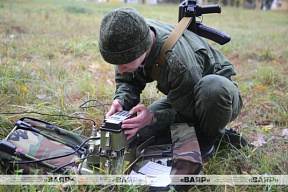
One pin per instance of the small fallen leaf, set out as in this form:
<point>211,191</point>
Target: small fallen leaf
<point>25,89</point>
<point>94,67</point>
<point>275,62</point>
<point>266,128</point>
<point>261,87</point>
<point>109,82</point>
<point>285,133</point>
<point>259,140</point>
<point>105,68</point>
<point>41,96</point>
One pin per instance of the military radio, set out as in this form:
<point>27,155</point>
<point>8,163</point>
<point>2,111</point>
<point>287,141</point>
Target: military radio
<point>113,150</point>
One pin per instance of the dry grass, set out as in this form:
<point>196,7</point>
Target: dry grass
<point>50,63</point>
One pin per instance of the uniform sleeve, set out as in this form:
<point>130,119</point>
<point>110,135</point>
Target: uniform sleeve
<point>221,65</point>
<point>128,89</point>
<point>182,79</point>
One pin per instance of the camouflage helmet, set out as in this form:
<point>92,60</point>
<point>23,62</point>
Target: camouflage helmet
<point>124,36</point>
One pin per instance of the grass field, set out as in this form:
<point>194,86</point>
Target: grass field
<point>50,63</point>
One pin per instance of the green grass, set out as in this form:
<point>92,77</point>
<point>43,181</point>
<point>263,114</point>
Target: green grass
<point>50,63</point>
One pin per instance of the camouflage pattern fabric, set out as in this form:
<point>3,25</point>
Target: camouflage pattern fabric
<point>54,131</point>
<point>50,142</point>
<point>184,143</point>
<point>40,147</point>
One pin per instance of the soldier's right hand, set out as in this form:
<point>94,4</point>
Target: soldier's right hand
<point>116,106</point>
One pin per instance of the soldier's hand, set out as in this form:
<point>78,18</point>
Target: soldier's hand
<point>116,106</point>
<point>133,125</point>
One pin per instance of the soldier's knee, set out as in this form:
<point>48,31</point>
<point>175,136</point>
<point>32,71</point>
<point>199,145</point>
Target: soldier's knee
<point>212,85</point>
<point>212,89</point>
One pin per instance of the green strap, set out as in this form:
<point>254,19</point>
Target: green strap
<point>169,44</point>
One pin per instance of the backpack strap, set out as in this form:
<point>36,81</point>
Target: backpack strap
<point>169,44</point>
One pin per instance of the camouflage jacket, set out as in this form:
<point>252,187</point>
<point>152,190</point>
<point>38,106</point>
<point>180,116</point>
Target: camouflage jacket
<point>191,59</point>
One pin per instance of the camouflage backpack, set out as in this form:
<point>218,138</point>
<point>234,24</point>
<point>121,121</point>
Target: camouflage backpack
<point>32,141</point>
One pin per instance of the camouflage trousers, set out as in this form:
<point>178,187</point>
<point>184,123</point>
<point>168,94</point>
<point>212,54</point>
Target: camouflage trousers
<point>186,150</point>
<point>184,143</point>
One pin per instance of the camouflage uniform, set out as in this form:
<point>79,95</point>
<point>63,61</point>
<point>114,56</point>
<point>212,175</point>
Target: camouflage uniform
<point>196,79</point>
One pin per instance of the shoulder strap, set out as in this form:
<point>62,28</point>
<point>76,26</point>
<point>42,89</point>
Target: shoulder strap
<point>169,44</point>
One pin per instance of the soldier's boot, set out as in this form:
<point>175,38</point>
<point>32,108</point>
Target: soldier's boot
<point>183,167</point>
<point>207,146</point>
<point>231,138</point>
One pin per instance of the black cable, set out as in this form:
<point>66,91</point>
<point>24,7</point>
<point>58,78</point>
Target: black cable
<point>50,158</point>
<point>100,104</point>
<point>60,115</point>
<point>67,164</point>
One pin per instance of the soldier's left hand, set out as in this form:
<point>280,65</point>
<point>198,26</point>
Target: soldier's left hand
<point>131,126</point>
